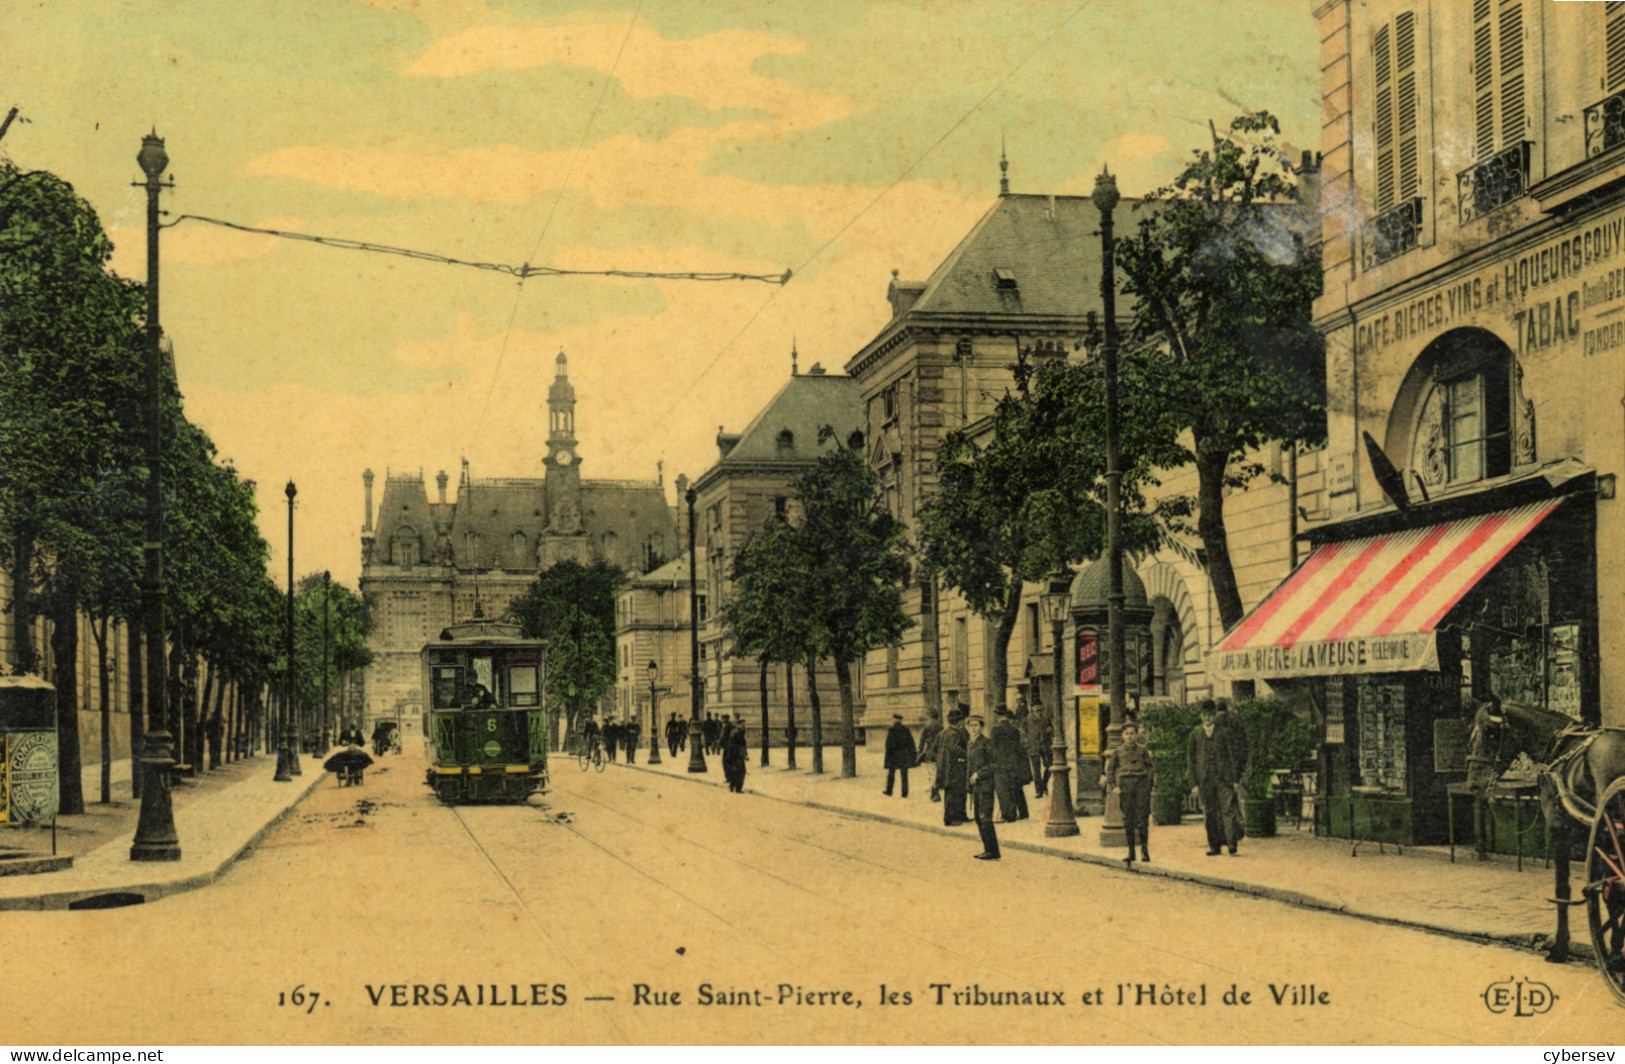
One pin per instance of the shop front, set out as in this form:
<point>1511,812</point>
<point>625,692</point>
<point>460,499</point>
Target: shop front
<point>1399,621</point>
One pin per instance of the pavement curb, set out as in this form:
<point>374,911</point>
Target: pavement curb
<point>158,888</point>
<point>1580,948</point>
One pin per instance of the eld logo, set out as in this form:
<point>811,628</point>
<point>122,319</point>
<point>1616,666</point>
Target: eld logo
<point>1521,997</point>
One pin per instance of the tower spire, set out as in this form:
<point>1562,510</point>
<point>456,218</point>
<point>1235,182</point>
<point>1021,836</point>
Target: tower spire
<point>1004,169</point>
<point>793,368</point>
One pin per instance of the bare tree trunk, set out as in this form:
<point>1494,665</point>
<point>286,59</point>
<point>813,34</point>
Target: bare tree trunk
<point>1210,471</point>
<point>65,655</point>
<point>138,705</point>
<point>790,714</point>
<point>198,717</point>
<point>849,735</point>
<point>217,724</point>
<point>998,666</point>
<point>172,710</point>
<point>817,714</point>
<point>98,630</point>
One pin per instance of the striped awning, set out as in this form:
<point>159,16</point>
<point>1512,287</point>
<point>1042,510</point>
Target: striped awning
<point>1372,604</point>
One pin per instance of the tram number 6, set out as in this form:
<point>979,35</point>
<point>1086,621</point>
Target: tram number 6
<point>299,998</point>
<point>490,724</point>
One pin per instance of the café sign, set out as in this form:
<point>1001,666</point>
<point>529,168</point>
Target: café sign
<point>1414,652</point>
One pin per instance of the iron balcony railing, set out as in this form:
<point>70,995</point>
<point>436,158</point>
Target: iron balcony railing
<point>1496,181</point>
<point>1393,232</point>
<point>1605,124</point>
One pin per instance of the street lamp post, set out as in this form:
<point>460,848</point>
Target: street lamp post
<point>155,838</point>
<point>696,735</point>
<point>327,578</point>
<point>287,762</point>
<point>654,714</point>
<point>1106,198</point>
<point>1061,823</point>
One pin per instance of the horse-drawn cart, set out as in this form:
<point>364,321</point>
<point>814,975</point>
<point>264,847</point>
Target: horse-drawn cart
<point>1582,786</point>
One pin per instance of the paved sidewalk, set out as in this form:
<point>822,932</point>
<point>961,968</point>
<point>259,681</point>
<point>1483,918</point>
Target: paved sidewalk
<point>214,829</point>
<point>1484,900</point>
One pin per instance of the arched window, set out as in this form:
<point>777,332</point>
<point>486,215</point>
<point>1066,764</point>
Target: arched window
<point>519,558</point>
<point>787,441</point>
<point>403,549</point>
<point>1456,408</point>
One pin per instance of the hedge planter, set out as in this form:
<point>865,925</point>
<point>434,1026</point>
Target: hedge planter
<point>1167,807</point>
<point>1260,817</point>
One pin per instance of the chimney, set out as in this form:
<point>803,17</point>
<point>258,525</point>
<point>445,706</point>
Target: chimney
<point>817,370</point>
<point>660,473</point>
<point>366,523</point>
<point>440,479</point>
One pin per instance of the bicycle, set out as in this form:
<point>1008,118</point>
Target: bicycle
<point>590,753</point>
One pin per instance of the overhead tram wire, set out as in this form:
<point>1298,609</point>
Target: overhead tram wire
<point>522,272</point>
<point>865,210</point>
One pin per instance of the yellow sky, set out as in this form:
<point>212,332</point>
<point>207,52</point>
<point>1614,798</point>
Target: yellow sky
<point>840,139</point>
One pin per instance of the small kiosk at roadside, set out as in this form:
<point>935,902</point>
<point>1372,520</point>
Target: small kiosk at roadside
<point>28,774</point>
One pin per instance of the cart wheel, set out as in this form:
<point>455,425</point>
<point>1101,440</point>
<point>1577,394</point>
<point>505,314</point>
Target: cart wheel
<point>1605,887</point>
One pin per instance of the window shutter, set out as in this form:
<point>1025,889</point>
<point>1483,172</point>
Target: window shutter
<point>1382,48</point>
<point>1512,119</point>
<point>1613,46</point>
<point>1405,101</point>
<point>1484,79</point>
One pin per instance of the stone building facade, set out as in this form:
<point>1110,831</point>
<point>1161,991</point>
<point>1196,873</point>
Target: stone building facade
<point>429,562</point>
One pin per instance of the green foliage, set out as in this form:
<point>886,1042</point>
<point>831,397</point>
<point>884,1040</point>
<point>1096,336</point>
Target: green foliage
<point>769,578</point>
<point>1277,738</point>
<point>347,628</point>
<point>1169,729</point>
<point>1224,272</point>
<point>572,606</point>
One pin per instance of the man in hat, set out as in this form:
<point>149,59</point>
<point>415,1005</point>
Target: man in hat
<point>1037,739</point>
<point>900,753</point>
<point>981,772</point>
<point>735,756</point>
<point>929,736</point>
<point>1214,775</point>
<point>1010,768</point>
<point>951,772</point>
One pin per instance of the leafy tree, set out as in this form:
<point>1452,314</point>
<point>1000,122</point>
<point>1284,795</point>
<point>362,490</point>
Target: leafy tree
<point>1029,498</point>
<point>1222,341</point>
<point>853,551</point>
<point>572,606</point>
<point>762,619</point>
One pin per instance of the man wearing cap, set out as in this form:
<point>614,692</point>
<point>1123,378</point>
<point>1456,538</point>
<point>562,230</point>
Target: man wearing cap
<point>735,755</point>
<point>1130,772</point>
<point>1214,775</point>
<point>900,753</point>
<point>951,771</point>
<point>1038,739</point>
<point>979,766</point>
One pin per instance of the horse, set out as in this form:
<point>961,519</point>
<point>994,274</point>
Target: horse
<point>1575,766</point>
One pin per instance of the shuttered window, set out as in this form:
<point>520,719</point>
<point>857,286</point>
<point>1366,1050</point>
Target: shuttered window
<point>1394,63</point>
<point>1498,75</point>
<point>1613,36</point>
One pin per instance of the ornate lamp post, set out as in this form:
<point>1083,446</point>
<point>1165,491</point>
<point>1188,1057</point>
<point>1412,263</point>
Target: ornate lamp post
<point>696,734</point>
<point>1106,197</point>
<point>1061,822</point>
<point>155,838</point>
<point>654,714</point>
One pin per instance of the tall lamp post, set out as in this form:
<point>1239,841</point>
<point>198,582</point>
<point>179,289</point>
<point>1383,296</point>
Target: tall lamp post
<point>155,838</point>
<point>1106,197</point>
<point>287,759</point>
<point>1062,823</point>
<point>327,579</point>
<point>696,734</point>
<point>654,714</point>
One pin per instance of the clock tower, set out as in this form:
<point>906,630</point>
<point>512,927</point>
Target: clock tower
<point>562,464</point>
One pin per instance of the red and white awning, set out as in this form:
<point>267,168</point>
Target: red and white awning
<point>1370,605</point>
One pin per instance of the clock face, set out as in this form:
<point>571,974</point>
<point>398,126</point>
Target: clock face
<point>564,457</point>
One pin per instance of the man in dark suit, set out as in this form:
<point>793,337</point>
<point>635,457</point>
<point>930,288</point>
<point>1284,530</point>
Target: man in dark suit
<point>981,772</point>
<point>900,753</point>
<point>631,732</point>
<point>951,772</point>
<point>929,736</point>
<point>1230,723</point>
<point>1214,775</point>
<point>1011,772</point>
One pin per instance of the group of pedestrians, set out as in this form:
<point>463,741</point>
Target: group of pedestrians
<point>676,735</point>
<point>991,771</point>
<point>616,735</point>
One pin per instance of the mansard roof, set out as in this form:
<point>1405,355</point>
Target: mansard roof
<point>805,404</point>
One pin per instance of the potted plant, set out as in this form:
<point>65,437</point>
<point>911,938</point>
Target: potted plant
<point>1168,729</point>
<point>1277,739</point>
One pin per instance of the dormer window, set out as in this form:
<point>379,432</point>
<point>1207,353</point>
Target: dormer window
<point>787,441</point>
<point>1004,280</point>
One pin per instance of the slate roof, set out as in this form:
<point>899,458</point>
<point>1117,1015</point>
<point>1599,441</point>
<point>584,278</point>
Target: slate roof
<point>1051,246</point>
<point>806,403</point>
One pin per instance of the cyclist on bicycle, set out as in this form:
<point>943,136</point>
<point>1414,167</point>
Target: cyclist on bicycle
<point>589,734</point>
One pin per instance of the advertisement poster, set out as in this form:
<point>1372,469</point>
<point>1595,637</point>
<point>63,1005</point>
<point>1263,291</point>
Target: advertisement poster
<point>655,332</point>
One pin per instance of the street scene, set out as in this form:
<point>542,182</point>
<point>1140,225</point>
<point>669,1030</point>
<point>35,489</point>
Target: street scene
<point>868,523</point>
